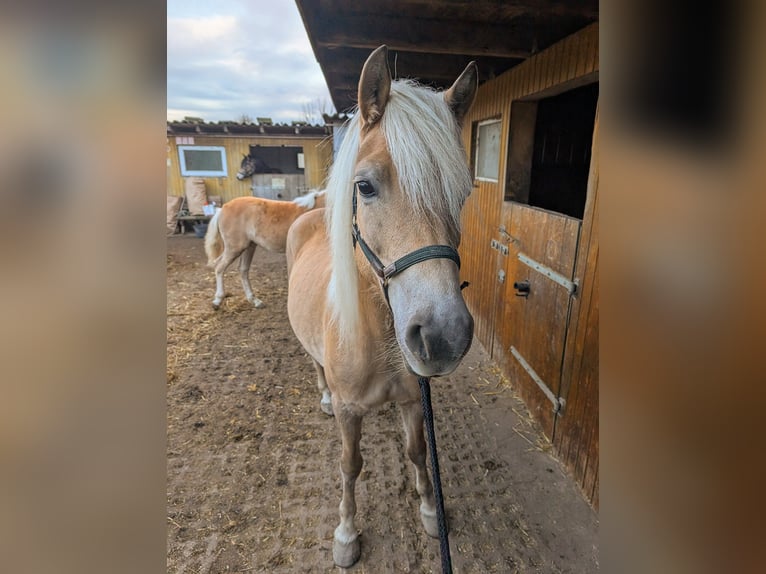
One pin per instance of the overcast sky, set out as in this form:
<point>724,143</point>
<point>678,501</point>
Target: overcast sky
<point>227,58</point>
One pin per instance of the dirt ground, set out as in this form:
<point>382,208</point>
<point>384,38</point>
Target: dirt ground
<point>252,463</point>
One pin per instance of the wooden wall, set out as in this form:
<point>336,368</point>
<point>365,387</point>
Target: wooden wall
<point>576,436</point>
<point>317,157</point>
<point>570,63</point>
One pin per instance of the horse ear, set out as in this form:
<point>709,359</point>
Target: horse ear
<point>460,96</point>
<point>374,86</point>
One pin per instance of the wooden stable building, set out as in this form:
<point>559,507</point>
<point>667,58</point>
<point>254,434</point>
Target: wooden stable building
<point>530,226</point>
<point>300,156</point>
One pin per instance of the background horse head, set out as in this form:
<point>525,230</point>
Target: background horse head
<point>251,165</point>
<point>374,291</point>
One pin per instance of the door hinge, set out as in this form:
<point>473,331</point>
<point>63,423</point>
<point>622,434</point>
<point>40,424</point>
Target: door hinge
<point>570,286</point>
<point>558,402</point>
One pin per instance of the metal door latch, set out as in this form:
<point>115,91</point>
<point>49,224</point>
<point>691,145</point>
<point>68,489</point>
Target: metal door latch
<point>522,287</point>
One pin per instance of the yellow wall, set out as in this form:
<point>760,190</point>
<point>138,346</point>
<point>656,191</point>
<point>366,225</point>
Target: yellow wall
<point>317,152</point>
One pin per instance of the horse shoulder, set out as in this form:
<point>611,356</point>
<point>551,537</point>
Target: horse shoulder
<point>307,226</point>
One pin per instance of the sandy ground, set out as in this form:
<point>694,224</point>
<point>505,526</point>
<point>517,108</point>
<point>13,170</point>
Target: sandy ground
<point>252,463</point>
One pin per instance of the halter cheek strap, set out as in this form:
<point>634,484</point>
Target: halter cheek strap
<point>386,272</point>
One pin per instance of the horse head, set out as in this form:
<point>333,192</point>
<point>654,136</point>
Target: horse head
<point>247,167</point>
<point>410,179</point>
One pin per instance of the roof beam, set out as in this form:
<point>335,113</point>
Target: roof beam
<point>514,39</point>
<point>344,65</point>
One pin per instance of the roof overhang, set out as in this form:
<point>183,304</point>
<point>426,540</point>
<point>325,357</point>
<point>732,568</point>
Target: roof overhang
<point>433,41</point>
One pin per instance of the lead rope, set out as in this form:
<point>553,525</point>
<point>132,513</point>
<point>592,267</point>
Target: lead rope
<point>428,415</point>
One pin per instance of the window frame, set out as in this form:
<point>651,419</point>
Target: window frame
<point>199,173</point>
<point>477,148</point>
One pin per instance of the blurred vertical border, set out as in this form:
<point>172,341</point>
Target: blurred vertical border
<point>82,297</point>
<point>683,328</point>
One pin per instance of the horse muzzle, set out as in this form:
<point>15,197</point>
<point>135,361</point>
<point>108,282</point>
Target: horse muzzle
<point>435,343</point>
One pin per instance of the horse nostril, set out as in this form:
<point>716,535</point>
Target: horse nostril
<point>417,342</point>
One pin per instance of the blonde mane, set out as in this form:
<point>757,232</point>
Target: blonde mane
<point>423,139</point>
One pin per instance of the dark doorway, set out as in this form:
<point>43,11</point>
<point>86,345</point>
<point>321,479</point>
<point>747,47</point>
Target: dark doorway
<point>279,159</point>
<point>562,150</point>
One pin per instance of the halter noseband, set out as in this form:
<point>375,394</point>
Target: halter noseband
<point>386,272</point>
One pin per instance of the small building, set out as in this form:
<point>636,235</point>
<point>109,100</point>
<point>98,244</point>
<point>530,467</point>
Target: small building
<point>297,157</point>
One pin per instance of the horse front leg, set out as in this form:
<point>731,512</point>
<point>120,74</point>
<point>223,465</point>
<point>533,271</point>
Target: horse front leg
<point>346,547</point>
<point>245,260</point>
<point>412,417</point>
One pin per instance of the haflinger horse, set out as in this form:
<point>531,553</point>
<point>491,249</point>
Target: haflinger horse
<point>395,193</point>
<point>246,222</point>
<point>251,165</point>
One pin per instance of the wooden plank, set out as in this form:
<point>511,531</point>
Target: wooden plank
<point>580,425</point>
<point>595,51</point>
<point>576,433</point>
<point>587,465</point>
<point>585,53</point>
<point>478,264</point>
<point>558,55</point>
<point>576,47</point>
<point>509,39</point>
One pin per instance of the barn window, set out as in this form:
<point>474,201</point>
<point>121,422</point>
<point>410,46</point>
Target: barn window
<point>203,161</point>
<point>549,150</point>
<point>487,150</point>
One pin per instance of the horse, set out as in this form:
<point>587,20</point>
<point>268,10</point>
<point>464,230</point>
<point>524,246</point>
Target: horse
<point>395,194</point>
<point>246,222</point>
<point>251,165</point>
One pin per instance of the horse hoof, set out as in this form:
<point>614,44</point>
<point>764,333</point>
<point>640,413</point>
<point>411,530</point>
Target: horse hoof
<point>216,306</point>
<point>346,554</point>
<point>431,523</point>
<point>258,304</point>
<point>326,408</point>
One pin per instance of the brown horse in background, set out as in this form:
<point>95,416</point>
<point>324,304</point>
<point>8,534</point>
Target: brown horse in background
<point>246,222</point>
<point>374,290</point>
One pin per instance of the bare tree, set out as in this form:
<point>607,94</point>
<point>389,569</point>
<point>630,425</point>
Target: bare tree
<point>314,110</point>
<point>245,119</point>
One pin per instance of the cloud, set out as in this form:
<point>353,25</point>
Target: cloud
<point>202,29</point>
<point>253,59</point>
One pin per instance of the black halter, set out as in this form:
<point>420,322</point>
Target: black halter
<point>386,272</point>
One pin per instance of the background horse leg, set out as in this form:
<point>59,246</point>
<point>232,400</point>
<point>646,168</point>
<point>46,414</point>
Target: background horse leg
<point>220,268</point>
<point>346,547</point>
<point>245,260</point>
<point>326,403</point>
<point>412,417</point>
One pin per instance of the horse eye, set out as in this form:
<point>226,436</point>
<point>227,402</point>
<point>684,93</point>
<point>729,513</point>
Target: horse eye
<point>365,188</point>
